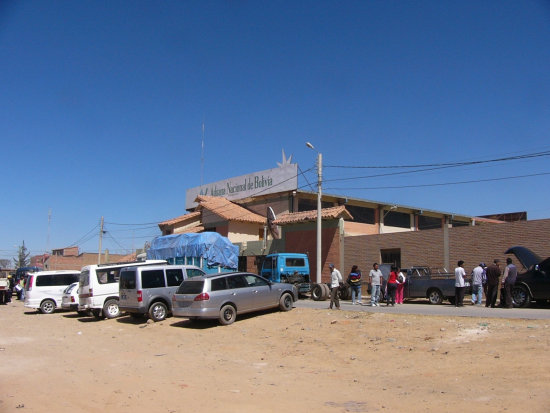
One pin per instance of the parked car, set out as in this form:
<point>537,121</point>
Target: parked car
<point>69,299</point>
<point>149,290</point>
<point>534,282</point>
<point>44,289</point>
<point>224,296</point>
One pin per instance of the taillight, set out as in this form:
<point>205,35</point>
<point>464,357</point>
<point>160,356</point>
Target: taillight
<point>139,296</point>
<point>72,299</point>
<point>29,282</point>
<point>91,292</point>
<point>202,297</point>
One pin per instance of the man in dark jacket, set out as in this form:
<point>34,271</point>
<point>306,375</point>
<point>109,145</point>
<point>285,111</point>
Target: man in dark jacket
<point>493,274</point>
<point>508,281</point>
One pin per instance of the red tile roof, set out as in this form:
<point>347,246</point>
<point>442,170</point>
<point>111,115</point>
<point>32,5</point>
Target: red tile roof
<point>228,210</point>
<point>306,216</point>
<point>180,219</point>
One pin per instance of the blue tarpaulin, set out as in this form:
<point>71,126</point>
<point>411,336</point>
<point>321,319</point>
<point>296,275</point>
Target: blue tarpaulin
<point>211,246</point>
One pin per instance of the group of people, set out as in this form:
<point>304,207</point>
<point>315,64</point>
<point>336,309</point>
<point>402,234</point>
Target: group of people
<point>392,290</point>
<point>13,286</point>
<point>486,280</point>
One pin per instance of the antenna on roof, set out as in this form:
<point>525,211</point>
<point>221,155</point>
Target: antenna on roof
<point>202,154</point>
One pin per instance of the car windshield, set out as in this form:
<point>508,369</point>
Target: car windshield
<point>191,287</point>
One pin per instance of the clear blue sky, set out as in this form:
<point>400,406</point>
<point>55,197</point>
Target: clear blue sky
<point>102,102</point>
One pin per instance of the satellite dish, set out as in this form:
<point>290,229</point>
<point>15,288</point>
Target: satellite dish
<point>273,229</point>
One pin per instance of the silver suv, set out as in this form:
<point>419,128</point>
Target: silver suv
<point>223,296</point>
<point>149,289</point>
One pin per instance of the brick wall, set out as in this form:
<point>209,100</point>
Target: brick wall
<point>471,244</point>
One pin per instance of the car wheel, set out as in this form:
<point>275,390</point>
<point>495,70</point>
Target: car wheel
<point>435,296</point>
<point>47,306</point>
<point>286,301</point>
<point>111,309</point>
<point>228,314</point>
<point>317,292</point>
<point>158,311</point>
<point>521,296</point>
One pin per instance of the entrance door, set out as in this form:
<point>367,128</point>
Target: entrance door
<point>391,256</point>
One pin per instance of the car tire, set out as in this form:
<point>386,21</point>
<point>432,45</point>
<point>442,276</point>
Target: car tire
<point>344,292</point>
<point>521,296</point>
<point>317,292</point>
<point>111,309</point>
<point>435,296</point>
<point>286,302</point>
<point>326,292</point>
<point>158,311</point>
<point>228,314</point>
<point>47,306</point>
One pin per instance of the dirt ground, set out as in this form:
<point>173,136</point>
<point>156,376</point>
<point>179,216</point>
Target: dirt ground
<point>303,360</point>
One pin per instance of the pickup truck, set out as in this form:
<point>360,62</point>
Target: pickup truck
<point>431,283</point>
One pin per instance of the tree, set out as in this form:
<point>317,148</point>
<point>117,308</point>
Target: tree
<point>22,259</point>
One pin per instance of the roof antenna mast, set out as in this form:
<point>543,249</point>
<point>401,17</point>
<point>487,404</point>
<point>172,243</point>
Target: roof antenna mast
<point>202,155</point>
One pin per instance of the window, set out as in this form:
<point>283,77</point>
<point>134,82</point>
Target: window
<point>44,281</point>
<point>128,280</point>
<point>361,214</point>
<point>67,279</point>
<point>426,222</point>
<point>194,272</point>
<point>397,219</point>
<point>295,262</point>
<point>108,276</point>
<point>268,263</point>
<point>254,281</point>
<point>174,277</point>
<point>219,284</point>
<point>152,279</point>
<point>190,287</point>
<point>236,281</point>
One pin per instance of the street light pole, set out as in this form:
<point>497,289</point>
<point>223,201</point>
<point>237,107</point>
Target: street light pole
<point>319,226</point>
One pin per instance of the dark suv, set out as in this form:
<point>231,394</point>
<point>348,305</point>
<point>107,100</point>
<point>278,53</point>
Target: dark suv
<point>534,283</point>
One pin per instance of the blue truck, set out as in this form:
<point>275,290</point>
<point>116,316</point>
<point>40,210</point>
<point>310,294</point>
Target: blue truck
<point>288,267</point>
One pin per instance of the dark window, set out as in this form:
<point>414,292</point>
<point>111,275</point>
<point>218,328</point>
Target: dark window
<point>391,256</point>
<point>460,223</point>
<point>362,214</point>
<point>152,279</point>
<point>174,277</point>
<point>268,263</point>
<point>425,222</point>
<point>397,219</point>
<point>68,279</point>
<point>128,280</point>
<point>194,272</point>
<point>311,205</point>
<point>254,281</point>
<point>190,287</point>
<point>236,281</point>
<point>44,281</point>
<point>219,284</point>
<point>295,262</point>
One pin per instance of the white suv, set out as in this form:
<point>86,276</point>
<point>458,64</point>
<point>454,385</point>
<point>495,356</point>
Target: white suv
<point>44,289</point>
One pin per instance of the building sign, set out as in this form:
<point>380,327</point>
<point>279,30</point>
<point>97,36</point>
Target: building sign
<point>284,178</point>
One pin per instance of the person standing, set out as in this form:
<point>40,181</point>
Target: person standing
<point>375,279</point>
<point>354,280</point>
<point>400,287</point>
<point>392,286</point>
<point>460,285</point>
<point>493,274</point>
<point>508,281</point>
<point>335,281</point>
<point>477,284</point>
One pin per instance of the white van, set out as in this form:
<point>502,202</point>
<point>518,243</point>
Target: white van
<point>44,289</point>
<point>98,287</point>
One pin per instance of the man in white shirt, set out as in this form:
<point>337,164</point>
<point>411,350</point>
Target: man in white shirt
<point>335,281</point>
<point>375,279</point>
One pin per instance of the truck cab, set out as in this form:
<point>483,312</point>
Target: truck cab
<point>290,268</point>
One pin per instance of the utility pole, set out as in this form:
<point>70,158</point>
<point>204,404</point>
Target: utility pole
<point>100,239</point>
<point>319,222</point>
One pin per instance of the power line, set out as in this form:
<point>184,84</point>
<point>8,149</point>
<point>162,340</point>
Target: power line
<point>446,183</point>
